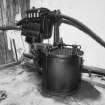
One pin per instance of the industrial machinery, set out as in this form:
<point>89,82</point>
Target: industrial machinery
<point>59,63</point>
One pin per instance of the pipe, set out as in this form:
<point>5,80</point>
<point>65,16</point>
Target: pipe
<point>56,33</point>
<point>28,56</point>
<point>4,28</point>
<point>14,44</point>
<point>94,70</point>
<point>82,27</point>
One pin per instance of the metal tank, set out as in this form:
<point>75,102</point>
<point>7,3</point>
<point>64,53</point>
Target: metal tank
<point>62,70</point>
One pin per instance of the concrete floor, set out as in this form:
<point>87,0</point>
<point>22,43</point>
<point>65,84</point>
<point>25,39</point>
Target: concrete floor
<point>22,86</point>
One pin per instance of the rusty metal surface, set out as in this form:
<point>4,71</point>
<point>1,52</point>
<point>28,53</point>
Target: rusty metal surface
<point>23,87</point>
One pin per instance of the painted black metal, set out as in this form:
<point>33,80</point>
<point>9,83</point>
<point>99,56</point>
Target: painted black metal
<point>62,73</point>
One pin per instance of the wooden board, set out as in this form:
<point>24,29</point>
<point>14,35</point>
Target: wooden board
<point>8,11</point>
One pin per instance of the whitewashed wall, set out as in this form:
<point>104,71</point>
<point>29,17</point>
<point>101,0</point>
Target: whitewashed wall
<point>92,14</point>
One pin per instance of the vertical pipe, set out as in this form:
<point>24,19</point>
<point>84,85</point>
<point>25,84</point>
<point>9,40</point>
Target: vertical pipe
<point>56,33</point>
<point>15,49</point>
<point>56,29</point>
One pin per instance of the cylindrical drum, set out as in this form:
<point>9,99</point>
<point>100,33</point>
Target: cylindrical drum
<point>62,73</point>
